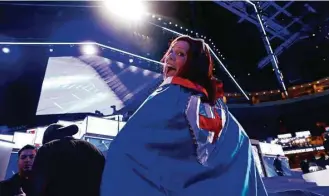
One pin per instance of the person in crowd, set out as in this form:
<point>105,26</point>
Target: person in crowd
<point>305,167</point>
<point>181,141</point>
<point>65,166</point>
<point>312,161</point>
<point>326,142</point>
<point>278,166</point>
<point>322,162</point>
<point>20,183</point>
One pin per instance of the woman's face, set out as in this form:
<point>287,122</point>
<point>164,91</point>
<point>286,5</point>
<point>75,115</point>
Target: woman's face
<point>175,59</point>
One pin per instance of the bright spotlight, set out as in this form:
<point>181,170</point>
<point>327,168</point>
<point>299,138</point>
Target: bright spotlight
<point>132,10</point>
<point>51,50</point>
<point>131,60</point>
<point>89,49</point>
<point>5,50</point>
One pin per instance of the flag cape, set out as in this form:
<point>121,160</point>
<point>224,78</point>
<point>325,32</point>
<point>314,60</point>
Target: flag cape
<point>166,149</point>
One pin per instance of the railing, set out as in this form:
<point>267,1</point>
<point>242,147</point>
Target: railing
<point>297,91</point>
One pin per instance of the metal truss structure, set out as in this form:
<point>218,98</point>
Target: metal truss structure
<point>288,32</point>
<point>276,23</point>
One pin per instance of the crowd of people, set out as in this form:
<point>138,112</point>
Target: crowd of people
<point>314,164</point>
<point>62,166</point>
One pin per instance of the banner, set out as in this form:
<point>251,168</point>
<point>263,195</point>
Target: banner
<point>311,149</point>
<point>102,126</point>
<point>21,139</point>
<point>303,134</point>
<point>270,149</point>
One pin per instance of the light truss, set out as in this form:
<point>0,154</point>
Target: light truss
<point>274,28</point>
<point>253,15</point>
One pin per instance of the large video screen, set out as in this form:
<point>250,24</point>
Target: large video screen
<point>88,83</point>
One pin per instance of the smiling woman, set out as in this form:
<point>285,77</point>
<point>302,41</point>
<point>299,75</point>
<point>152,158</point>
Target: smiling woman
<point>176,58</point>
<point>190,58</point>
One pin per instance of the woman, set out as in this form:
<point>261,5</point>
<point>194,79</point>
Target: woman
<point>182,140</point>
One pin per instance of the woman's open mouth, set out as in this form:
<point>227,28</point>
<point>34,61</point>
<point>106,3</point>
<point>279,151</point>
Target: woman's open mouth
<point>170,70</point>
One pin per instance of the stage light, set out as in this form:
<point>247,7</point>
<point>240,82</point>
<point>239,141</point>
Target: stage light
<point>51,50</point>
<point>5,50</point>
<point>131,10</point>
<point>131,60</point>
<point>89,49</point>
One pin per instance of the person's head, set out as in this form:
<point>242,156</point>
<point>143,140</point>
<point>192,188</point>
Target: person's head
<point>190,58</point>
<point>277,156</point>
<point>26,157</point>
<point>313,158</point>
<point>326,136</point>
<point>57,131</point>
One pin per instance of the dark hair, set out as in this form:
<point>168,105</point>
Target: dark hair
<point>198,67</point>
<point>26,147</point>
<point>219,88</point>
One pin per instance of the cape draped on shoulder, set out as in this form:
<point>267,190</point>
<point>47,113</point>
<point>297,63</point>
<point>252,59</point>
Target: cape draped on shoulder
<point>176,145</point>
